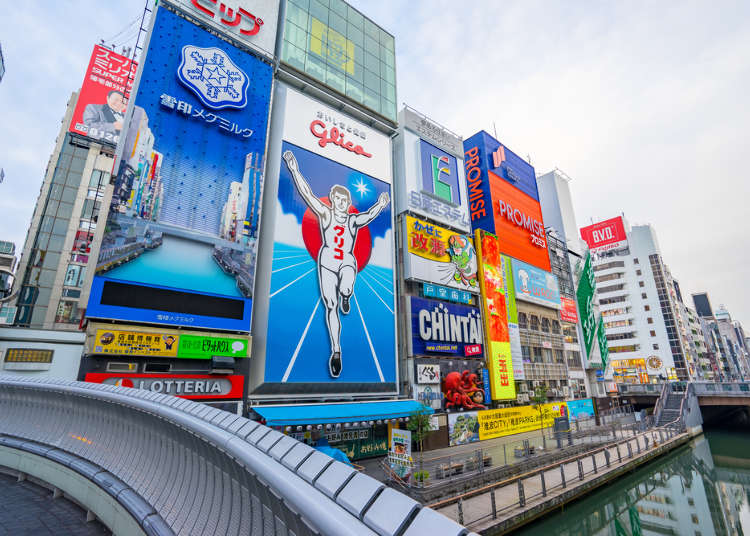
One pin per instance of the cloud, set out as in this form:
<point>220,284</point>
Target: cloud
<point>382,251</point>
<point>288,230</point>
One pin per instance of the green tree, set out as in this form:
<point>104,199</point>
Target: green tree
<point>419,425</point>
<point>539,399</point>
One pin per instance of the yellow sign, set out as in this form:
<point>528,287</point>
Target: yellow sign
<point>331,45</point>
<point>502,422</point>
<point>28,355</point>
<point>495,315</point>
<point>137,343</point>
<point>429,241</point>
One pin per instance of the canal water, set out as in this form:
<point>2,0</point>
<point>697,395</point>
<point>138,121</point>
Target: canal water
<point>700,489</point>
<point>179,263</point>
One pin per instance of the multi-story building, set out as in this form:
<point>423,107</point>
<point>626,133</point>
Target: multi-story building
<point>638,301</point>
<point>57,260</point>
<point>725,342</point>
<point>7,266</point>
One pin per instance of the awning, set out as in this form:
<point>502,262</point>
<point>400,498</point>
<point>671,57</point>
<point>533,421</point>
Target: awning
<point>333,413</point>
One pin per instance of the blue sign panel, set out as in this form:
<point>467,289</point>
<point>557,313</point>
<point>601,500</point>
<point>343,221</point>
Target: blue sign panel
<point>180,241</point>
<point>535,285</point>
<point>486,382</point>
<point>580,409</point>
<point>444,328</point>
<point>439,173</point>
<point>444,293</point>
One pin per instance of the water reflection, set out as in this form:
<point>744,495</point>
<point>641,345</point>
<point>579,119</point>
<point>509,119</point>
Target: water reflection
<point>699,490</point>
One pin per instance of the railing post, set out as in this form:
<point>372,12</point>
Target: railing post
<point>580,470</point>
<point>645,442</point>
<point>544,484</point>
<point>460,511</point>
<point>505,455</point>
<point>619,456</point>
<point>593,460</point>
<point>638,444</point>
<point>630,449</point>
<point>661,435</point>
<point>521,497</point>
<point>562,475</point>
<point>494,507</point>
<point>606,457</point>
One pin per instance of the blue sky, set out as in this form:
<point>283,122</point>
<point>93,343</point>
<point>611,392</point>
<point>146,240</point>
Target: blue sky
<point>643,104</point>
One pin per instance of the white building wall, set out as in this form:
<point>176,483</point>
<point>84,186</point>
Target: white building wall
<point>66,345</point>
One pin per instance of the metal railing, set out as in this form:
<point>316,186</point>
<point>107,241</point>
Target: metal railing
<point>198,469</point>
<point>496,500</point>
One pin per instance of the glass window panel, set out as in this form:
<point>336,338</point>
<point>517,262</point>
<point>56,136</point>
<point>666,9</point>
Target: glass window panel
<point>28,295</point>
<point>46,278</point>
<point>372,99</point>
<point>387,40</point>
<point>358,73</point>
<point>296,36</point>
<point>96,177</point>
<point>55,191</point>
<point>355,89</point>
<point>42,239</point>
<point>335,79</point>
<point>354,34</point>
<point>387,90</point>
<point>303,4</point>
<point>51,260</point>
<point>356,18</point>
<point>372,30</point>
<point>65,210</point>
<point>390,60</point>
<point>59,175</point>
<point>34,276</point>
<point>388,108</point>
<point>339,7</point>
<point>337,22</point>
<point>46,224</point>
<point>372,46</point>
<point>372,63</point>
<point>43,295</point>
<point>56,243</point>
<point>69,194</point>
<point>51,208</point>
<point>319,11</point>
<point>37,316</point>
<point>315,66</point>
<point>388,73</point>
<point>72,275</point>
<point>372,82</point>
<point>359,54</point>
<point>296,15</point>
<point>80,152</point>
<point>293,56</point>
<point>76,167</point>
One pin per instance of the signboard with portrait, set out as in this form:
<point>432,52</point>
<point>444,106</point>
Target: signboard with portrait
<point>437,255</point>
<point>100,110</point>
<point>330,321</point>
<point>182,228</point>
<point>535,286</point>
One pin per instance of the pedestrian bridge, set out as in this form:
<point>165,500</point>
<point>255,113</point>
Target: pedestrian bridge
<point>147,463</point>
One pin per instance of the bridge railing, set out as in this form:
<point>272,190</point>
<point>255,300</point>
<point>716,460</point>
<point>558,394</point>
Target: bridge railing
<point>180,467</point>
<point>722,389</point>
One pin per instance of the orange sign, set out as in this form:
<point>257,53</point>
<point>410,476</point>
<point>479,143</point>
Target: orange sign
<point>518,223</point>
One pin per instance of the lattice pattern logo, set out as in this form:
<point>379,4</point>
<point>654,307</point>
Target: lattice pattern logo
<point>214,78</point>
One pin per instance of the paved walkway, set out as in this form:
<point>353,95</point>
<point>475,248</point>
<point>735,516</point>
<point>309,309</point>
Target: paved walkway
<point>476,507</point>
<point>28,509</point>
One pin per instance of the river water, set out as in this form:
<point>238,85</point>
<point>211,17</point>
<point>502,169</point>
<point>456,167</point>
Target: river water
<point>700,489</point>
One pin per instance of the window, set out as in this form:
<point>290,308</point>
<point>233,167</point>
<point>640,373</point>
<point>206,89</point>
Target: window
<point>67,312</point>
<point>650,320</point>
<point>635,260</point>
<point>545,325</point>
<point>534,323</point>
<point>526,354</point>
<point>523,321</point>
<point>641,284</point>
<point>638,272</point>
<point>646,308</point>
<point>556,327</point>
<point>537,354</point>
<point>643,295</point>
<point>656,346</point>
<point>652,333</point>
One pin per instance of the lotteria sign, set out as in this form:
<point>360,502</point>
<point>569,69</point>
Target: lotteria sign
<point>605,235</point>
<point>193,386</point>
<point>504,200</point>
<point>440,328</point>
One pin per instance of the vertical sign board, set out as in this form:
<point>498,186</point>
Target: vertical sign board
<point>331,309</point>
<point>603,347</point>
<point>585,295</point>
<point>504,200</point>
<point>513,330</point>
<point>438,255</point>
<point>180,241</point>
<point>497,337</point>
<point>100,109</point>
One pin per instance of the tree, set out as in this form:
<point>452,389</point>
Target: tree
<point>419,426</point>
<point>539,399</point>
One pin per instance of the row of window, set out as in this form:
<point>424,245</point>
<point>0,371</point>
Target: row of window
<point>534,323</point>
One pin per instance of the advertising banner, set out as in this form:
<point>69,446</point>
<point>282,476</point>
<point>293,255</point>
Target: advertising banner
<point>444,293</point>
<point>585,295</point>
<point>502,422</point>
<point>429,395</point>
<point>605,235</point>
<point>100,110</point>
<point>568,311</point>
<point>253,22</point>
<point>444,328</point>
<point>399,453</point>
<point>428,373</point>
<point>463,428</point>
<point>580,409</point>
<point>436,255</point>
<point>461,384</point>
<point>180,241</point>
<point>535,285</point>
<point>192,386</point>
<point>165,343</point>
<point>512,311</point>
<point>503,199</point>
<point>331,309</point>
<point>492,278</point>
<point>601,334</point>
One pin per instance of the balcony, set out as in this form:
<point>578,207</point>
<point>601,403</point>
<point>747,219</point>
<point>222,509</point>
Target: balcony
<point>545,371</point>
<point>538,338</point>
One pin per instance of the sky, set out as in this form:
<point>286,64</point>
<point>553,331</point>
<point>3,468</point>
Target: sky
<point>643,104</point>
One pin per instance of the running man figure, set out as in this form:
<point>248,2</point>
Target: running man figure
<point>337,267</point>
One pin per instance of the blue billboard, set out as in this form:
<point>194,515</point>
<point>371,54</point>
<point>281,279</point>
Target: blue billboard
<point>439,173</point>
<point>179,246</point>
<point>580,409</point>
<point>535,285</point>
<point>440,328</point>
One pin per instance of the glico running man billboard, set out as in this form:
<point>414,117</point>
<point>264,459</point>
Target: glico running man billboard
<point>330,306</point>
<point>504,200</point>
<point>179,246</point>
<point>100,110</point>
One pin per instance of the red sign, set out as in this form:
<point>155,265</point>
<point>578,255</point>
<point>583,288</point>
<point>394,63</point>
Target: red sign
<point>192,386</point>
<point>568,312</point>
<point>605,235</point>
<point>101,104</point>
<point>472,349</point>
<point>336,137</point>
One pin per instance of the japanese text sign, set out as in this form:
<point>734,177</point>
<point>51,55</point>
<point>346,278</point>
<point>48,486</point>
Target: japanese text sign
<point>502,422</point>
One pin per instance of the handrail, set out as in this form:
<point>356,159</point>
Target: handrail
<point>204,470</point>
